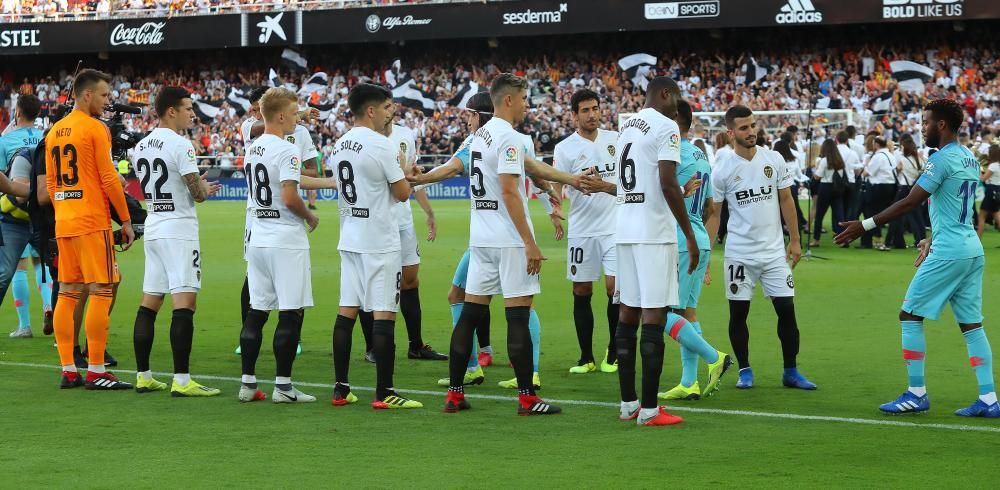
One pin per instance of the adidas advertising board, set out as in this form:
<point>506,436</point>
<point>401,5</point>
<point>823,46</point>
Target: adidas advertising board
<point>799,12</point>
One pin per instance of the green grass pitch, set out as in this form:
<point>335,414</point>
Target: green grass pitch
<point>768,436</point>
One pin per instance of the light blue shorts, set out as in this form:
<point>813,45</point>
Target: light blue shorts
<point>690,284</point>
<point>462,271</point>
<point>29,251</point>
<point>940,281</point>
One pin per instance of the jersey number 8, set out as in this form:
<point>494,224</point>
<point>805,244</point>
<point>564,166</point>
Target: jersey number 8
<point>345,174</point>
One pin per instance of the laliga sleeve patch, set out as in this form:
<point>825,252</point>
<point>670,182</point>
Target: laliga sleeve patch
<point>675,140</point>
<point>294,163</point>
<point>510,154</point>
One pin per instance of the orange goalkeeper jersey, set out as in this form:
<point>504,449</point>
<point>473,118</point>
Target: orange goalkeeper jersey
<point>81,179</point>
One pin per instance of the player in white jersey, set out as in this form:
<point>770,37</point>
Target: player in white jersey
<point>250,129</point>
<point>372,182</point>
<point>403,142</point>
<point>650,211</point>
<point>504,257</point>
<point>277,253</point>
<point>755,183</point>
<point>481,111</point>
<point>591,243</point>
<point>166,166</point>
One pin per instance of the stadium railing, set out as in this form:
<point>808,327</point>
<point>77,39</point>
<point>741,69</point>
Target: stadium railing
<point>154,13</point>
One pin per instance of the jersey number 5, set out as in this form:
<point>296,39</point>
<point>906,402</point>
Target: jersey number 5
<point>476,173</point>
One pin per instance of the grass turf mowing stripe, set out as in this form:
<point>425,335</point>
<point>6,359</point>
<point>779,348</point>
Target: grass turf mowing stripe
<point>747,413</point>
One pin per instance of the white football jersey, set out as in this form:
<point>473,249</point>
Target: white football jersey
<point>366,163</point>
<point>303,141</point>
<point>300,138</point>
<point>496,149</point>
<point>402,139</point>
<point>245,128</point>
<point>592,215</point>
<point>161,160</point>
<point>643,213</point>
<point>751,189</point>
<point>271,160</point>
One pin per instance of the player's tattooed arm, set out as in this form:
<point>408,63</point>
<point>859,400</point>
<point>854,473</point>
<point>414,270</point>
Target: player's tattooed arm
<point>199,187</point>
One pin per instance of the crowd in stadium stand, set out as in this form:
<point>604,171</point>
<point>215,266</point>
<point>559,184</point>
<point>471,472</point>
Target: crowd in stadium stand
<point>27,10</point>
<point>849,78</point>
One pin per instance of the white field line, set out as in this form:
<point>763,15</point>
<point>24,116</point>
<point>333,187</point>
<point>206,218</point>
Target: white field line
<point>611,405</point>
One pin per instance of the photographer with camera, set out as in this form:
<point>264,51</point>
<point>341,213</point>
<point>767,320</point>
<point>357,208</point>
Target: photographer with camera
<point>83,185</point>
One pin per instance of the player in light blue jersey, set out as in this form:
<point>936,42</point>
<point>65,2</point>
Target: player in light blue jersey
<point>950,270</point>
<point>693,166</point>
<point>18,253</point>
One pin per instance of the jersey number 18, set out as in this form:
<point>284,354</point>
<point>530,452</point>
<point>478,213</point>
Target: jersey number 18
<point>260,184</point>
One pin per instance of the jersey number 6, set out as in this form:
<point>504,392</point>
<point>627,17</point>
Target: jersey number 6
<point>627,173</point>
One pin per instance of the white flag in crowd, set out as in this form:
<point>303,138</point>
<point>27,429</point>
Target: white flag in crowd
<point>911,76</point>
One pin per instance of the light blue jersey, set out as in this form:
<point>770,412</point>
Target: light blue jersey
<point>694,165</point>
<point>953,272</point>
<point>15,140</point>
<point>951,177</point>
<point>463,153</point>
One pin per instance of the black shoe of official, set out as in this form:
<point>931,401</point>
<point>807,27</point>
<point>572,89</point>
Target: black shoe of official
<point>80,359</point>
<point>425,352</point>
<point>109,360</point>
<point>312,207</point>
